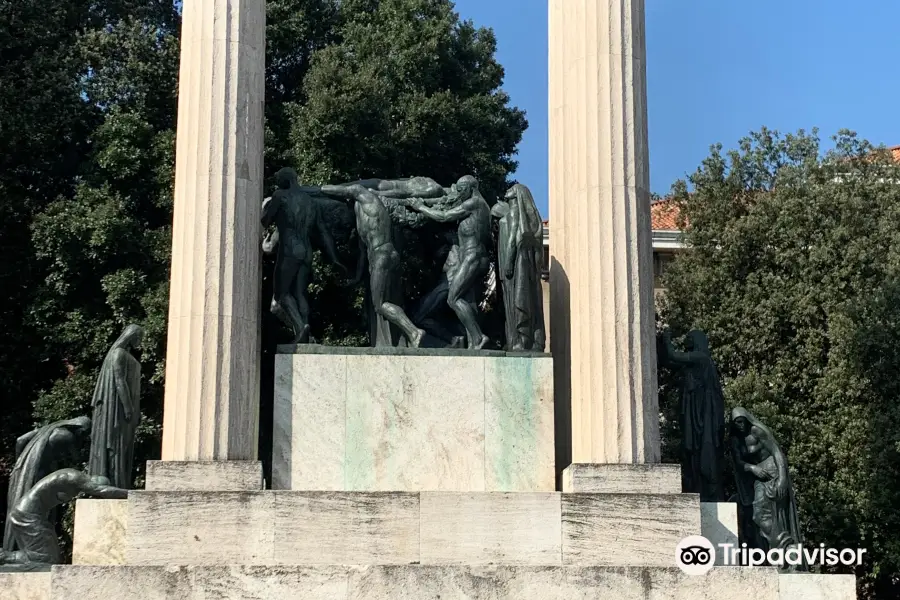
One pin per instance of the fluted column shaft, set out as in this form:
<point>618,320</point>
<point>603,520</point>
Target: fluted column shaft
<point>601,249</point>
<point>213,352</point>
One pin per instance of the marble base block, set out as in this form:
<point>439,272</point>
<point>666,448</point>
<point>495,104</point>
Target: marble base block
<point>438,528</point>
<point>409,582</point>
<point>622,478</point>
<point>25,586</point>
<point>100,530</point>
<point>719,524</point>
<point>363,419</point>
<point>808,586</point>
<point>210,476</point>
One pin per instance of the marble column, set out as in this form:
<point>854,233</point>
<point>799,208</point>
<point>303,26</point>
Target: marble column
<point>211,408</point>
<point>602,312</point>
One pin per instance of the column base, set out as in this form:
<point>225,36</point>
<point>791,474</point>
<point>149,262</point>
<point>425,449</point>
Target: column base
<point>652,478</point>
<point>204,476</point>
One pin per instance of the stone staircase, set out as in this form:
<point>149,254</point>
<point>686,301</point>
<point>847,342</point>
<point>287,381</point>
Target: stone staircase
<point>287,545</point>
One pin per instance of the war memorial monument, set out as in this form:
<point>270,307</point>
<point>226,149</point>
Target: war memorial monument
<point>424,466</point>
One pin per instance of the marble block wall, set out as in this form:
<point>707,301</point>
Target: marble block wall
<point>25,586</point>
<point>409,582</point>
<point>437,528</point>
<point>366,420</point>
<point>100,530</point>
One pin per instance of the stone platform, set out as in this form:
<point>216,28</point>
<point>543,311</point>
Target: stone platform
<point>415,582</point>
<point>399,419</point>
<point>429,528</point>
<point>409,582</point>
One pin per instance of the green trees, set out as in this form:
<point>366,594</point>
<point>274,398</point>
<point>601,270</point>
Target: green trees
<point>43,136</point>
<point>793,269</point>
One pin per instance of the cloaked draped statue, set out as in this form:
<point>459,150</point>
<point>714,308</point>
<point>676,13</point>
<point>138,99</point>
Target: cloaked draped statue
<point>39,453</point>
<point>702,416</point>
<point>768,508</point>
<point>520,253</point>
<point>117,411</point>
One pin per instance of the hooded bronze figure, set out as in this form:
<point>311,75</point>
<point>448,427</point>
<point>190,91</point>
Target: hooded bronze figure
<point>117,411</point>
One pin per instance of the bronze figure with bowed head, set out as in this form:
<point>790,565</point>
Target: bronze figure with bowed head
<point>767,506</point>
<point>30,521</point>
<point>117,410</point>
<point>520,252</point>
<point>39,453</point>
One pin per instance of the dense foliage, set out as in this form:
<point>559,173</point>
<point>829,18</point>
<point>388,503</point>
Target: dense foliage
<point>88,107</point>
<point>793,269</point>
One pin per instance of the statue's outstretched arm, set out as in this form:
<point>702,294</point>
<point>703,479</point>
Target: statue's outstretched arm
<point>456,213</point>
<point>104,492</point>
<point>346,192</point>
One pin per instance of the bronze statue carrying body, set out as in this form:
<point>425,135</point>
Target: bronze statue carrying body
<point>30,522</point>
<point>520,253</point>
<point>702,417</point>
<point>412,187</point>
<point>767,507</point>
<point>375,229</point>
<point>39,453</point>
<point>117,411</point>
<point>296,219</point>
<point>474,234</point>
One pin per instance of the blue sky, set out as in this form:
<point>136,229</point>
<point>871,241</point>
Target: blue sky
<point>718,69</point>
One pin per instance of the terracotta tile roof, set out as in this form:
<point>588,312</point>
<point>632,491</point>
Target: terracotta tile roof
<point>896,152</point>
<point>663,215</point>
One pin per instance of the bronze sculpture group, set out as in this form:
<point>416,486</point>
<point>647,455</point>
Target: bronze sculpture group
<point>42,478</point>
<point>767,507</point>
<point>381,207</point>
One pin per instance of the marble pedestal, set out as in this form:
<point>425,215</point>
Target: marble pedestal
<point>376,419</point>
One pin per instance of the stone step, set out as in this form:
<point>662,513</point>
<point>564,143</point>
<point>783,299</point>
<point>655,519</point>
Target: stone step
<point>430,528</point>
<point>415,582</point>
